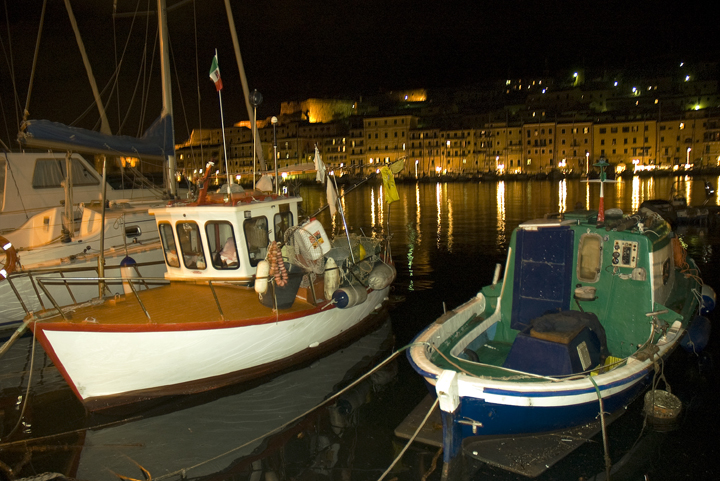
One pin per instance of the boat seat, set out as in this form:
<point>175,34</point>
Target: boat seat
<point>562,337</point>
<point>558,344</point>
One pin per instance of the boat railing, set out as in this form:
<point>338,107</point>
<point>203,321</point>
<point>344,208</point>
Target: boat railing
<point>38,278</point>
<point>43,282</point>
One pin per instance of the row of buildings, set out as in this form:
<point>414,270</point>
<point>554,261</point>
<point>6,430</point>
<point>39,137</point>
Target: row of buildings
<point>555,126</point>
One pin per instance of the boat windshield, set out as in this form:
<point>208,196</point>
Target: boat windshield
<point>282,222</point>
<point>222,245</point>
<point>257,238</point>
<point>168,242</point>
<point>191,245</point>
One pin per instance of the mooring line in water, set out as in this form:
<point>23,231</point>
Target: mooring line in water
<point>410,441</point>
<point>29,383</point>
<point>67,433</point>
<point>183,471</point>
<point>608,462</point>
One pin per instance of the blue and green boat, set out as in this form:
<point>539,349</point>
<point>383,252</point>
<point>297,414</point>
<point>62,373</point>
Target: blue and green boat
<point>582,318</point>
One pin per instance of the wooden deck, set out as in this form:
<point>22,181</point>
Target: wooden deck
<point>180,303</point>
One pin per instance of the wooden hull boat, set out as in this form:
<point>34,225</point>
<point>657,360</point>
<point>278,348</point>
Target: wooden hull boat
<point>223,316</point>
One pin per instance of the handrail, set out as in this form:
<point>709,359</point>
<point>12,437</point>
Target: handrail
<point>34,276</point>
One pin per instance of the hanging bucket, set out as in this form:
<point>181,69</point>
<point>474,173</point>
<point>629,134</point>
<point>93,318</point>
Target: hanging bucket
<point>662,410</point>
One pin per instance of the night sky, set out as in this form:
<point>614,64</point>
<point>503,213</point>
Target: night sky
<point>304,48</point>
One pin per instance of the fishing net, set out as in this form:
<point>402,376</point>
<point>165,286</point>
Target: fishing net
<point>304,250</point>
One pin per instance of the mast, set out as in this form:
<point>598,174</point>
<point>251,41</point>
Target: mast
<point>104,124</point>
<point>167,109</point>
<point>243,79</point>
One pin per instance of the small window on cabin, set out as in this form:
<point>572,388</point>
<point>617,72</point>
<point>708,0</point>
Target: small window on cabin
<point>257,238</point>
<point>222,245</point>
<point>51,173</point>
<point>191,245</point>
<point>133,231</point>
<point>666,271</point>
<point>589,258</point>
<point>282,222</point>
<point>168,242</point>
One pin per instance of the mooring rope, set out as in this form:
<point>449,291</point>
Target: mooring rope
<point>410,441</point>
<point>183,471</point>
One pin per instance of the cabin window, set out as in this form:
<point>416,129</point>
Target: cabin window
<point>257,238</point>
<point>51,173</point>
<point>132,231</point>
<point>222,245</point>
<point>282,222</point>
<point>191,245</point>
<point>168,242</point>
<point>589,258</point>
<point>666,271</point>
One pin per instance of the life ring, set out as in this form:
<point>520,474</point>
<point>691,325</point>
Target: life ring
<point>10,264</point>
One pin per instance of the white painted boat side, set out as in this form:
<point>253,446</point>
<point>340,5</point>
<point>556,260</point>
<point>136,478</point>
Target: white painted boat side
<point>550,393</point>
<point>108,363</point>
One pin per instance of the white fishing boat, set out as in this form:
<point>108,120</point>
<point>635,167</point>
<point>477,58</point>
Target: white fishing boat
<point>225,316</point>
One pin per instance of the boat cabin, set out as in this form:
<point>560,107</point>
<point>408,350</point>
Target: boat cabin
<point>570,272</point>
<point>224,237</point>
<point>33,182</point>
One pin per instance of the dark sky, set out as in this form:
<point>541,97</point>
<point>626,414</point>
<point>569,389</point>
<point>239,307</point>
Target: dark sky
<point>294,49</point>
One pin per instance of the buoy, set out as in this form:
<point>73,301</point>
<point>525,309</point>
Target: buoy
<point>261,277</point>
<point>381,276</point>
<point>127,271</point>
<point>708,299</point>
<point>349,296</point>
<point>332,277</point>
<point>697,335</point>
<point>11,262</point>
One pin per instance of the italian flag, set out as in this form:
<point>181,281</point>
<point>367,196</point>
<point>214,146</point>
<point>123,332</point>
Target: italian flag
<point>215,73</point>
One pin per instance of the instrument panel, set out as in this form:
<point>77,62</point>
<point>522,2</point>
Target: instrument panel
<point>625,254</point>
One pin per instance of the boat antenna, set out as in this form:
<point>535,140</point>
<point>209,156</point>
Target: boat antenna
<point>215,77</point>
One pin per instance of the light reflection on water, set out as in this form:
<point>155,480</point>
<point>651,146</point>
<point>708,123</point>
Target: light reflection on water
<point>480,216</point>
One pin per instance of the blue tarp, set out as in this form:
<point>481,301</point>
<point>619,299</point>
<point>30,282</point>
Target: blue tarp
<point>156,143</point>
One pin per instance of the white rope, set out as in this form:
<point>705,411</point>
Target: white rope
<point>417,431</point>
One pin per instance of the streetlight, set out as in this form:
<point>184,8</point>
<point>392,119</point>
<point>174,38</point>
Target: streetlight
<point>587,162</point>
<point>416,164</point>
<point>274,122</point>
<point>687,161</point>
<point>255,100</point>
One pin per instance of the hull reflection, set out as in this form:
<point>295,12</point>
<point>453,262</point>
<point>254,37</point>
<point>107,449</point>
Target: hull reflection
<point>194,436</point>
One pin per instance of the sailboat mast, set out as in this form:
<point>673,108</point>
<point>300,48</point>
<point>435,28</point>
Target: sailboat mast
<point>167,109</point>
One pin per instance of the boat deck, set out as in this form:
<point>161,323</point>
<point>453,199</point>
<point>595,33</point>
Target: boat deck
<point>181,302</point>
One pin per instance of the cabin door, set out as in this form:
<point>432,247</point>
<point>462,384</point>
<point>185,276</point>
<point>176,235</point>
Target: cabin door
<point>543,273</point>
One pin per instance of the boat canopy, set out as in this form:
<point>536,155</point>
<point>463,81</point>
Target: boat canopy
<point>156,143</point>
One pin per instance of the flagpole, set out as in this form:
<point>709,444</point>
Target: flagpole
<point>222,126</point>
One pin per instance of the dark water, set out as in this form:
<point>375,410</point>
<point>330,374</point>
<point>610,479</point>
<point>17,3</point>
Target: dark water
<point>447,239</point>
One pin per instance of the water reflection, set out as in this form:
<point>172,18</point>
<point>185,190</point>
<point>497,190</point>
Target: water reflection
<point>562,195</point>
<point>222,434</point>
<point>438,209</point>
<point>500,199</point>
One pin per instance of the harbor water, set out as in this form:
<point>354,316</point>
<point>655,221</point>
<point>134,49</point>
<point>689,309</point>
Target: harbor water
<point>447,239</point>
